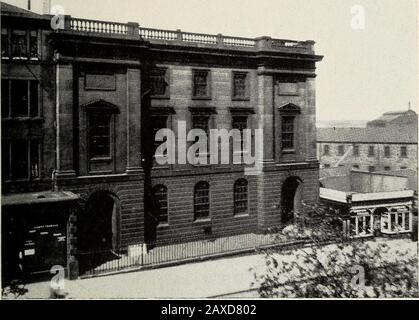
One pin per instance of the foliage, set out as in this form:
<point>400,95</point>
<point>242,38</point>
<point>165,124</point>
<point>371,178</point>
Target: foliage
<point>345,269</point>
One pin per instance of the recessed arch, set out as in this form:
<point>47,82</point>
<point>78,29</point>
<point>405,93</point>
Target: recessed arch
<point>291,198</point>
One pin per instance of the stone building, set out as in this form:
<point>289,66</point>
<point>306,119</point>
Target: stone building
<point>81,105</point>
<point>371,149</point>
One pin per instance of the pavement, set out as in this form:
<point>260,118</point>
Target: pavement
<point>227,277</point>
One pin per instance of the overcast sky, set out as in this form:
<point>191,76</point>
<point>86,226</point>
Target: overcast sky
<point>364,72</point>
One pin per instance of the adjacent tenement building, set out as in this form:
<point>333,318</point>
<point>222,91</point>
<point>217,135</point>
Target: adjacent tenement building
<point>80,108</point>
<point>375,148</point>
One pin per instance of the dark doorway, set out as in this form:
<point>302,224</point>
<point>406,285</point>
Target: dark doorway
<point>290,198</point>
<point>98,230</point>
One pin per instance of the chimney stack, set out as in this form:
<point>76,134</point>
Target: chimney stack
<point>29,5</point>
<point>46,7</point>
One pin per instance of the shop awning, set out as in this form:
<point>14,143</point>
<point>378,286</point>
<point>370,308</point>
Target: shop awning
<point>37,198</point>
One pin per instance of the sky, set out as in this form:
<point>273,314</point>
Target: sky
<point>365,72</point>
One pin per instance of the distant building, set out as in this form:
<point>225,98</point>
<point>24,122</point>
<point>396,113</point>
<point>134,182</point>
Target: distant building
<point>370,204</point>
<point>371,149</point>
<point>395,118</point>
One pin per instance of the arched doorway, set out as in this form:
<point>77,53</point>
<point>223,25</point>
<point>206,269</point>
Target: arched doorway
<point>291,197</point>
<point>98,225</point>
<point>98,231</point>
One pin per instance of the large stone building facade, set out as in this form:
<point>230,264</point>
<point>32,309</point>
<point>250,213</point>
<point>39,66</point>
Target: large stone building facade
<point>370,149</point>
<point>81,105</point>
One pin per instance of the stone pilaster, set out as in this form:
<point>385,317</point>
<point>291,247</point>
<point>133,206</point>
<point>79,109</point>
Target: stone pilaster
<point>64,120</point>
<point>133,121</point>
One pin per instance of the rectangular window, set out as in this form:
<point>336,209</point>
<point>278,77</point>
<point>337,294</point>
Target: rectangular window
<point>100,135</point>
<point>240,123</point>
<point>19,44</point>
<point>240,85</point>
<point>5,43</point>
<point>33,44</point>
<point>356,151</point>
<point>326,150</point>
<point>201,88</point>
<point>403,152</point>
<point>159,83</point>
<point>20,159</point>
<point>371,151</point>
<point>287,137</point>
<point>341,150</point>
<point>387,168</point>
<point>387,152</point>
<point>371,169</point>
<point>355,166</point>
<point>20,98</point>
<point>326,166</point>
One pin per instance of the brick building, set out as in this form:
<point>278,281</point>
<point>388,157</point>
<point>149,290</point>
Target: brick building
<point>389,148</point>
<point>81,104</point>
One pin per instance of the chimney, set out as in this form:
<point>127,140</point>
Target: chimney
<point>410,105</point>
<point>29,5</point>
<point>46,7</point>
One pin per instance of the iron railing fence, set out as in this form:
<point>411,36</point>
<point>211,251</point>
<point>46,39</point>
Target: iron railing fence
<point>140,255</point>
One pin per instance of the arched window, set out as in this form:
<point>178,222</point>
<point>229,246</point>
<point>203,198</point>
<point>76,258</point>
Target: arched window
<point>201,200</point>
<point>240,197</point>
<point>160,203</point>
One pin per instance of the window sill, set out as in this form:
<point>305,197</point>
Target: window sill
<point>202,220</point>
<point>163,225</point>
<point>101,159</point>
<point>243,215</point>
<point>288,151</point>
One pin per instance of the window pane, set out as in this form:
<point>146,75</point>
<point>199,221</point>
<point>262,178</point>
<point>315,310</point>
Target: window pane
<point>4,43</point>
<point>200,82</point>
<point>287,132</point>
<point>99,145</point>
<point>19,97</point>
<point>33,44</point>
<point>5,160</point>
<point>19,44</point>
<point>33,101</point>
<point>5,98</point>
<point>239,90</point>
<point>404,151</point>
<point>387,151</point>
<point>356,151</point>
<point>240,197</point>
<point>20,164</point>
<point>158,82</point>
<point>201,200</point>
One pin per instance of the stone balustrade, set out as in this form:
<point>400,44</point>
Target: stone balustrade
<point>178,36</point>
